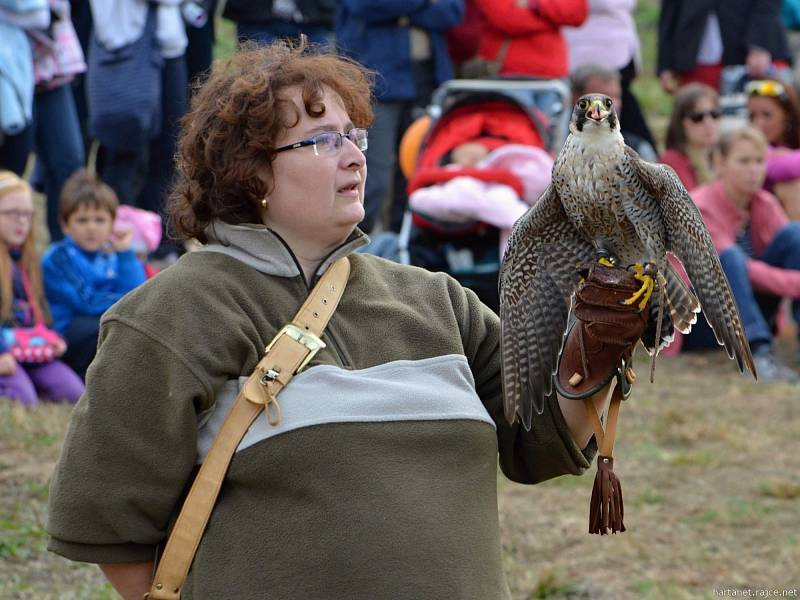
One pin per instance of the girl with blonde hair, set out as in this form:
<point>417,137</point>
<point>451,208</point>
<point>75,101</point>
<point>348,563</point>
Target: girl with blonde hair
<point>29,350</point>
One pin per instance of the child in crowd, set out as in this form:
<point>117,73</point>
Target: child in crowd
<point>29,351</point>
<point>495,187</point>
<point>759,248</point>
<point>91,268</point>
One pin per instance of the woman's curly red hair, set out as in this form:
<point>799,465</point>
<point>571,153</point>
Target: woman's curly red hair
<point>226,147</point>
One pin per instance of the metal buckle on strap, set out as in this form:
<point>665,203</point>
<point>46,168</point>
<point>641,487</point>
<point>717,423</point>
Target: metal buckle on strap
<point>312,343</point>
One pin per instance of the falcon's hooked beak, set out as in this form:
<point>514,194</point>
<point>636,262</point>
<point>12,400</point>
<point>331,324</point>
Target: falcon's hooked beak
<point>597,111</point>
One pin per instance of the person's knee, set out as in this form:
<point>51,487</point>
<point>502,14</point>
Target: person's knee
<point>733,259</point>
<point>788,237</point>
<point>19,388</point>
<point>74,390</point>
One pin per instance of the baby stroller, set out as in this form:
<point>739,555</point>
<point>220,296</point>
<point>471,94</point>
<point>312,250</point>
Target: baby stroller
<point>511,118</point>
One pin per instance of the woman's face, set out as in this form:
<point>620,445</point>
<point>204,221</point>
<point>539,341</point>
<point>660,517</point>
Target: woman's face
<point>744,169</point>
<point>316,200</point>
<point>16,217</point>
<point>702,124</point>
<point>768,116</point>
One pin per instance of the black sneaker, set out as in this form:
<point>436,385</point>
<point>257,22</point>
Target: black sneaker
<point>771,369</point>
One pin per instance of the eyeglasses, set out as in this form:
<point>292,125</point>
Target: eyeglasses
<point>17,214</point>
<point>330,143</point>
<point>773,89</point>
<point>698,116</point>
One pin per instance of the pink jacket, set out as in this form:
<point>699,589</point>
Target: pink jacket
<point>724,221</point>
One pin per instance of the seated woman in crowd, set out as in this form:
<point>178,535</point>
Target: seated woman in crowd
<point>758,247</point>
<point>692,133</point>
<point>91,268</point>
<point>29,350</point>
<point>774,109</point>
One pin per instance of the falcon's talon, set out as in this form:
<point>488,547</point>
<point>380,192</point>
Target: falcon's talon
<point>644,292</point>
<point>606,261</point>
<point>650,288</point>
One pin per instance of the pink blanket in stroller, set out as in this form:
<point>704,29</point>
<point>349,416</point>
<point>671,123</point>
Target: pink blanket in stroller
<point>507,182</point>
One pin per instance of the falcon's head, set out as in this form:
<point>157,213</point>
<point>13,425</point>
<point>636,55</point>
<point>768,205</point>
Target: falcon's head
<point>595,112</point>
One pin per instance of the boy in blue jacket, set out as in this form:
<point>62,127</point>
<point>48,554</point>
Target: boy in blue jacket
<point>90,269</point>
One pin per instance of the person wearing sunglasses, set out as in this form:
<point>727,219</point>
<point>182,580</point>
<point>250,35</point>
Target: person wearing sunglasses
<point>380,477</point>
<point>773,108</point>
<point>692,132</point>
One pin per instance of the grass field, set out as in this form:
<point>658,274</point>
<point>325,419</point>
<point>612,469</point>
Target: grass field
<point>708,466</point>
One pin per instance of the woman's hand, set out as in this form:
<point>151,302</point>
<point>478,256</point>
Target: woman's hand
<point>121,239</point>
<point>130,580</point>
<point>788,192</point>
<point>758,62</point>
<point>8,364</point>
<point>669,82</point>
<point>59,348</point>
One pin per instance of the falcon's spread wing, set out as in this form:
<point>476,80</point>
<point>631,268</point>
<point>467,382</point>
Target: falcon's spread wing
<point>538,277</point>
<point>689,240</point>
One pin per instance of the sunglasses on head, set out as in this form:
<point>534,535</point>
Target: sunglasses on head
<point>773,89</point>
<point>698,115</point>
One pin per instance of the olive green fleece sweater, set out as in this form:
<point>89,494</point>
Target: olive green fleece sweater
<point>380,481</point>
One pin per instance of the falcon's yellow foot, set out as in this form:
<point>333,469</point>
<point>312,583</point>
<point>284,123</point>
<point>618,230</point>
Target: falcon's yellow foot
<point>644,292</point>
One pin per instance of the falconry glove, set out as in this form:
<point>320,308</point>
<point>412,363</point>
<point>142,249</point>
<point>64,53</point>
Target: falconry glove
<point>600,342</point>
<point>601,338</point>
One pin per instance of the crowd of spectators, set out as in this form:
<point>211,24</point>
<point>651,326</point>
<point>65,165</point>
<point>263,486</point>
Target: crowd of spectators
<point>105,83</point>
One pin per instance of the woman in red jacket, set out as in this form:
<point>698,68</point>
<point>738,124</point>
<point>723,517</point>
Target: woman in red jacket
<point>692,133</point>
<point>536,47</point>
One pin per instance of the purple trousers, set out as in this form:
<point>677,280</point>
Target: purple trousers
<point>54,381</point>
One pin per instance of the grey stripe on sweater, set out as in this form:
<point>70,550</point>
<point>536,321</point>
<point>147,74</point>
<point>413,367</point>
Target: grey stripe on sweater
<point>439,388</point>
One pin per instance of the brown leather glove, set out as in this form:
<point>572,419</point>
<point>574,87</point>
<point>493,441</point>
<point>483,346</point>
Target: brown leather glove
<point>603,334</point>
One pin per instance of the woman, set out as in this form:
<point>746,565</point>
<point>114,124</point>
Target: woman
<point>525,37</point>
<point>758,247</point>
<point>692,133</point>
<point>397,421</point>
<point>773,108</point>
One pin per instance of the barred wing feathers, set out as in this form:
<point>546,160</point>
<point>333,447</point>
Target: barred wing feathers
<point>539,274</point>
<point>688,238</point>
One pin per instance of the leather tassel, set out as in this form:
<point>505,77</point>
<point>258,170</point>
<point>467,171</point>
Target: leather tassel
<point>606,509</point>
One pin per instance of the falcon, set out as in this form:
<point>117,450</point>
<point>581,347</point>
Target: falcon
<point>605,204</point>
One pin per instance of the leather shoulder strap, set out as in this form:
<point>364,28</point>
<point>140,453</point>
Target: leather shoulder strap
<point>287,354</point>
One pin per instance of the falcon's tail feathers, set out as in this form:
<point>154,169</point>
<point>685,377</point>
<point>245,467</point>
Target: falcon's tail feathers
<point>658,322</point>
<point>683,304</point>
